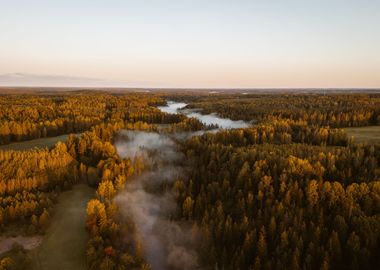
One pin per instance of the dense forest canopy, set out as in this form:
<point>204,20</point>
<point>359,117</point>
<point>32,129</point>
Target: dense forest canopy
<point>334,110</point>
<point>291,191</point>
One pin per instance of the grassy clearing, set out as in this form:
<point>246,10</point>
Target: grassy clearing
<point>37,143</point>
<point>64,244</point>
<point>27,242</point>
<point>365,134</point>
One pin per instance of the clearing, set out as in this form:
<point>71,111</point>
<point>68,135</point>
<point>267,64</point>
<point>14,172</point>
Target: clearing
<point>28,242</point>
<point>64,245</point>
<point>369,134</point>
<point>37,143</point>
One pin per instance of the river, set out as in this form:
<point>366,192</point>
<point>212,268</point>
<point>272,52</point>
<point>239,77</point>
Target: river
<point>207,119</point>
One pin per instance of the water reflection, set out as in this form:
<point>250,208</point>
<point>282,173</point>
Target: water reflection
<point>172,107</point>
<point>208,119</point>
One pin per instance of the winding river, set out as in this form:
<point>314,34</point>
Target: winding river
<point>208,119</point>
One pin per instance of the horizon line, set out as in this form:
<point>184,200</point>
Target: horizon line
<point>181,87</point>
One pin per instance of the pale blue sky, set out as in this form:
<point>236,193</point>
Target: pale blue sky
<point>191,43</point>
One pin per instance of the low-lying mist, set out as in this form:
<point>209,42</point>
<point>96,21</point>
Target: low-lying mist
<point>131,144</point>
<point>213,119</point>
<point>167,244</point>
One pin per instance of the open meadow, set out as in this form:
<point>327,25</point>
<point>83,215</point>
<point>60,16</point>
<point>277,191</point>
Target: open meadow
<point>34,144</point>
<point>64,244</point>
<point>370,134</point>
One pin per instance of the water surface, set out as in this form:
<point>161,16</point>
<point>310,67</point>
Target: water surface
<point>208,119</point>
<point>172,107</point>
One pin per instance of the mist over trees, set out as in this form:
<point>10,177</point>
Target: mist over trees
<point>292,191</point>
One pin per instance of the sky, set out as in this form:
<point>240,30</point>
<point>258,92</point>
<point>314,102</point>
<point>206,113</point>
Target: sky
<point>191,43</point>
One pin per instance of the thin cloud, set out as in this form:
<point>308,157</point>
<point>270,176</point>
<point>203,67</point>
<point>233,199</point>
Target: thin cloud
<point>27,79</point>
<point>47,80</point>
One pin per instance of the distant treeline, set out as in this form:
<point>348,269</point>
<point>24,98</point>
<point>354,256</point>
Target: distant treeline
<point>27,117</point>
<point>334,110</point>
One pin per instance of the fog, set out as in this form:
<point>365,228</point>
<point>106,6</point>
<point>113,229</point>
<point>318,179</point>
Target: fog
<point>212,119</point>
<point>130,144</point>
<point>207,119</point>
<point>167,244</point>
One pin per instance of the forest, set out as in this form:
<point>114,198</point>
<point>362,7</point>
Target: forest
<point>291,191</point>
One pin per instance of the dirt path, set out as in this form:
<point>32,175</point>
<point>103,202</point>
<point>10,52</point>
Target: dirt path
<point>64,244</point>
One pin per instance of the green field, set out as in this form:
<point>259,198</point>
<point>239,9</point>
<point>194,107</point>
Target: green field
<point>37,143</point>
<point>64,245</point>
<point>365,134</point>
